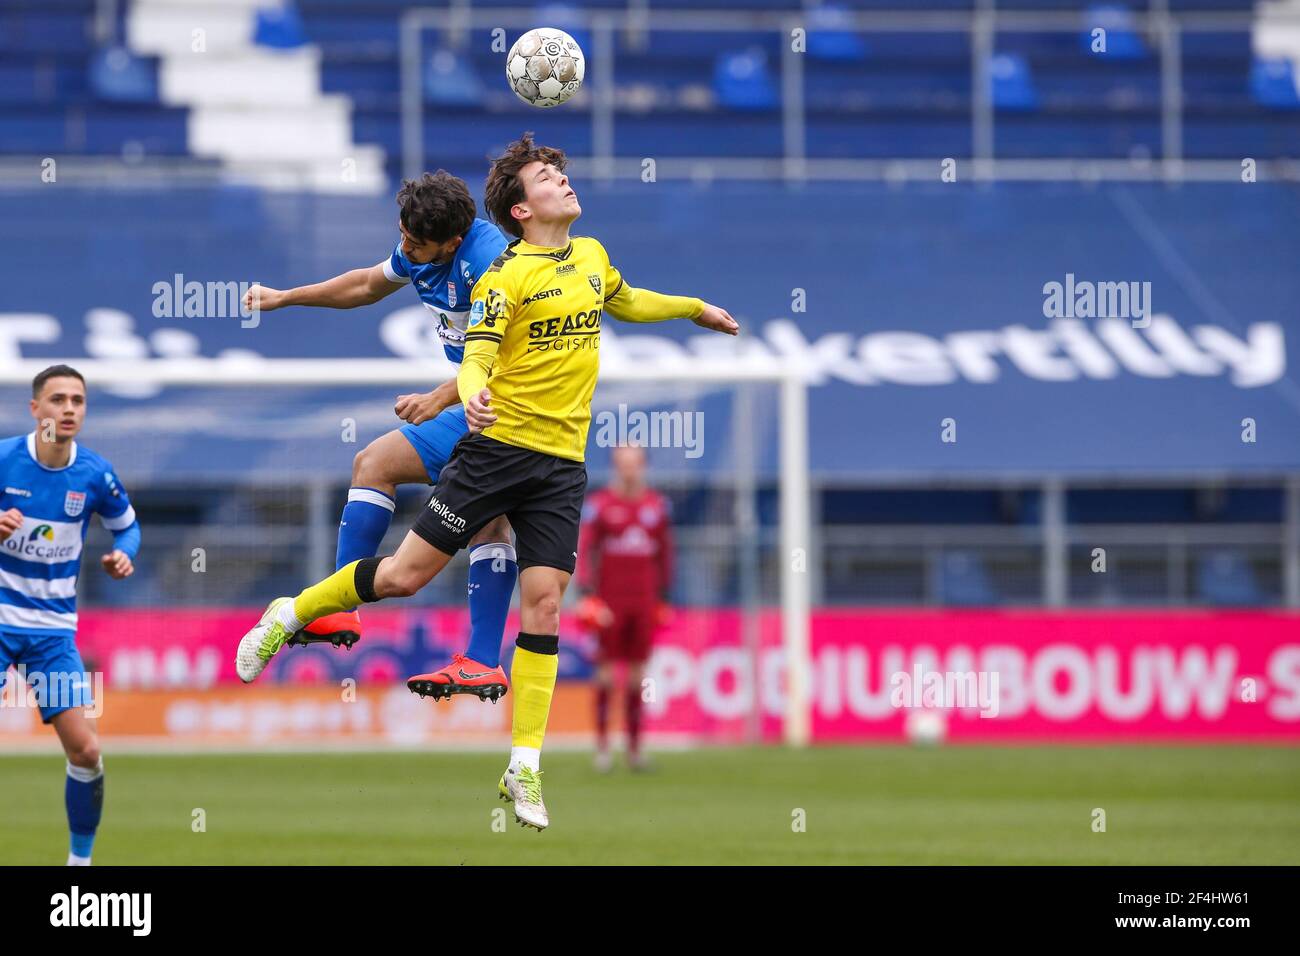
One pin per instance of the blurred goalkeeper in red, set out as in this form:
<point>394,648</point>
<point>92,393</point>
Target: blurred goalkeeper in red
<point>625,572</point>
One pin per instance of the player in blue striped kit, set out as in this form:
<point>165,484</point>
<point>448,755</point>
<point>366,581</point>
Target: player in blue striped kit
<point>49,488</point>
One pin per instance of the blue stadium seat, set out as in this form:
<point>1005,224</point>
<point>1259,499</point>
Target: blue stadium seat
<point>43,78</point>
<point>1226,578</point>
<point>742,81</point>
<point>830,36</point>
<point>450,81</point>
<point>279,27</point>
<point>963,581</point>
<point>1273,84</point>
<point>119,77</point>
<point>1012,84</point>
<point>1122,40</point>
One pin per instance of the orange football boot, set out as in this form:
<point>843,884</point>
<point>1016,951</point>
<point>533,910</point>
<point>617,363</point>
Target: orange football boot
<point>461,676</point>
<point>343,628</point>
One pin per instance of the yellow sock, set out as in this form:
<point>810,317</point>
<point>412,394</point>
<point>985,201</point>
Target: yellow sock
<point>338,592</point>
<point>532,677</point>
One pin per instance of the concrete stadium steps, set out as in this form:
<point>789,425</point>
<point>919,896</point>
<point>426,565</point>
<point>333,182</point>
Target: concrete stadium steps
<point>262,111</point>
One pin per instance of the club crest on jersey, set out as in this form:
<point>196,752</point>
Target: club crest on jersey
<point>451,294</point>
<point>74,503</point>
<point>496,305</point>
<point>595,283</point>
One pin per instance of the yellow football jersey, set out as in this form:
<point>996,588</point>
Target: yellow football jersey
<point>533,339</point>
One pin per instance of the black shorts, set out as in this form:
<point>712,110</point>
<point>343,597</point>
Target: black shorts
<point>485,478</point>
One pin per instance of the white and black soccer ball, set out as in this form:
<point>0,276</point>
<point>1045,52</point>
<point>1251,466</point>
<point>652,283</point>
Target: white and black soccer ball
<point>545,67</point>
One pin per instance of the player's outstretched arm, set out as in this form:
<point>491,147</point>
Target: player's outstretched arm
<point>717,319</point>
<point>350,290</point>
<point>631,304</point>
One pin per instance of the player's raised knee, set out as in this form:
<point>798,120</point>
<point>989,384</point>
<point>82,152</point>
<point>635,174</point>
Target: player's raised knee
<point>85,754</point>
<point>366,467</point>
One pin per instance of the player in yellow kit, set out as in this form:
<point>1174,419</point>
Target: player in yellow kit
<point>531,360</point>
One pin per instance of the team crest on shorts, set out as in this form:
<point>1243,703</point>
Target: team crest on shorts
<point>74,503</point>
<point>595,283</point>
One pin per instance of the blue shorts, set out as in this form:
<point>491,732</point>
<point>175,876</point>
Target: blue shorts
<point>52,666</point>
<point>433,440</point>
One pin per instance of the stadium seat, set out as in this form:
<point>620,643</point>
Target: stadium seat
<point>1012,84</point>
<point>1122,41</point>
<point>280,28</point>
<point>117,76</point>
<point>448,81</point>
<point>742,81</point>
<point>963,581</point>
<point>1226,578</point>
<point>1273,84</point>
<point>829,37</point>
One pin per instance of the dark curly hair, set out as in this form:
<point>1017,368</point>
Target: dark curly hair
<point>504,189</point>
<point>436,207</point>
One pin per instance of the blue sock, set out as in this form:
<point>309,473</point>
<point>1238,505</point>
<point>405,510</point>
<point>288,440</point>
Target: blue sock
<point>84,797</point>
<point>492,573</point>
<point>365,521</point>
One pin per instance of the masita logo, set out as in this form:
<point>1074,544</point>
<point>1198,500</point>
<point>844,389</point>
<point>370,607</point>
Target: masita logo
<point>75,908</point>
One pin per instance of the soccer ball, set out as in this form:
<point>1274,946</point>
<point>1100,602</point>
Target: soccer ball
<point>926,728</point>
<point>545,67</point>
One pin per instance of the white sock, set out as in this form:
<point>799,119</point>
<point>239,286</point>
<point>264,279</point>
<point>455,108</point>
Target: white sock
<point>530,757</point>
<point>288,620</point>
<point>86,774</point>
<point>74,860</point>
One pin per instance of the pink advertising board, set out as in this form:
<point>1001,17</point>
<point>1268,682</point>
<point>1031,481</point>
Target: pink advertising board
<point>1031,676</point>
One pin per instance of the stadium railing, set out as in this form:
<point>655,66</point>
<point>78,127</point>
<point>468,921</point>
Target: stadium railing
<point>981,27</point>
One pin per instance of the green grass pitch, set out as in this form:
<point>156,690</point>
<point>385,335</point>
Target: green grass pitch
<point>895,805</point>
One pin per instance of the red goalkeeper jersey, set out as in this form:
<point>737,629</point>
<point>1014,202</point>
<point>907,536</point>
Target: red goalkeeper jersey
<point>626,548</point>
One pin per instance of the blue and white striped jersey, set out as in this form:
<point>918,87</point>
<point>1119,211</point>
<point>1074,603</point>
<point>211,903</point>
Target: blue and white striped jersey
<point>444,287</point>
<point>39,562</point>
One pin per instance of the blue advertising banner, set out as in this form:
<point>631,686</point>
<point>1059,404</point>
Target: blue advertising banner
<point>945,329</point>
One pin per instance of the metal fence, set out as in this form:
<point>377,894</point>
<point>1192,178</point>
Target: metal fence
<point>981,27</point>
<point>269,539</point>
